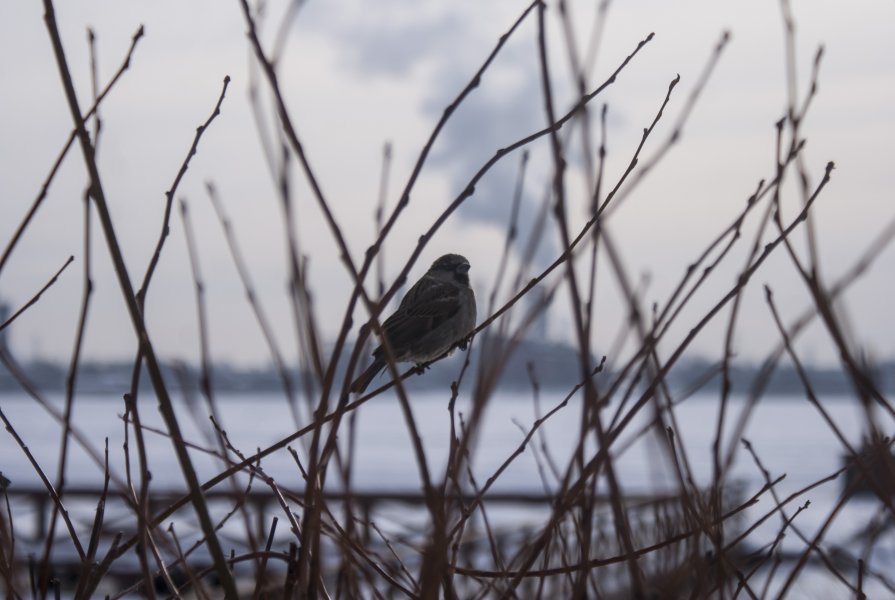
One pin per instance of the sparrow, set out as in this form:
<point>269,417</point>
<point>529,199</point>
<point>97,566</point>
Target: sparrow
<point>436,314</point>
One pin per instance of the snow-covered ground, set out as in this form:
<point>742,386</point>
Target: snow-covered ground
<point>787,433</point>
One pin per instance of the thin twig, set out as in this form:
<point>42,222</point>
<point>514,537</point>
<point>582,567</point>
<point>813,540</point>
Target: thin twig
<point>98,195</point>
<point>36,296</point>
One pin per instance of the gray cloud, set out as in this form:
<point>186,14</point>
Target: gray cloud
<point>492,118</point>
<point>503,109</point>
<point>391,39</point>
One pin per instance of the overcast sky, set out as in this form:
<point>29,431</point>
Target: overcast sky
<point>358,74</point>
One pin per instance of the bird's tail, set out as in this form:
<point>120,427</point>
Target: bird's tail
<point>361,383</point>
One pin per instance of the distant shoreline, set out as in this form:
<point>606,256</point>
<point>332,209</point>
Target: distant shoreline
<point>555,367</point>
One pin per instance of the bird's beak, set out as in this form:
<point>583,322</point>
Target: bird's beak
<point>464,268</point>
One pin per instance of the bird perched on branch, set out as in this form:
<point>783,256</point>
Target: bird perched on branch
<point>436,314</point>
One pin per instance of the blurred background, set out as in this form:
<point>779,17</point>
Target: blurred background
<point>365,84</point>
<point>357,78</point>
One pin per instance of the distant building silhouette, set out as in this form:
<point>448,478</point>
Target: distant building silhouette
<point>4,314</point>
<point>538,329</point>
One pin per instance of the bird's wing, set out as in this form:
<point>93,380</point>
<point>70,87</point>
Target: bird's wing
<point>426,306</point>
